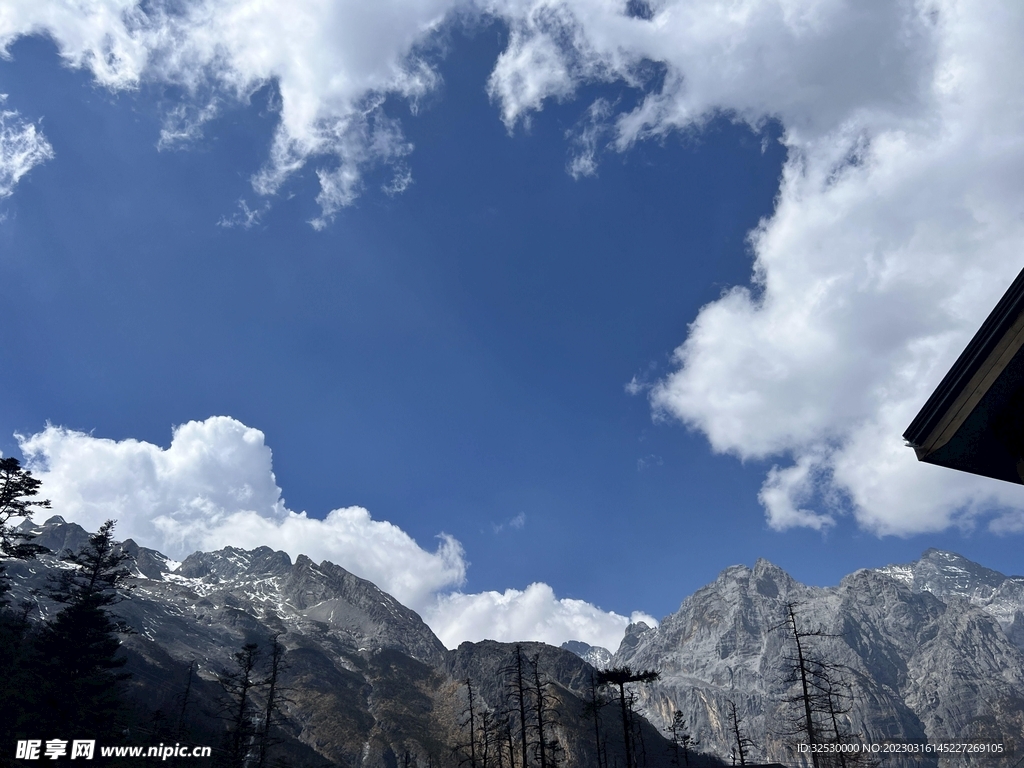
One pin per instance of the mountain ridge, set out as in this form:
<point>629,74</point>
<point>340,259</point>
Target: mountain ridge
<point>934,649</point>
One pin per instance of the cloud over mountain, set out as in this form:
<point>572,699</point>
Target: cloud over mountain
<point>214,486</point>
<point>534,612</point>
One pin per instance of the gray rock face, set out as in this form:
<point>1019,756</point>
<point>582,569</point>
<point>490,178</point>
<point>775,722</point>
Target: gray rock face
<point>594,655</point>
<point>948,575</point>
<point>922,648</point>
<point>929,651</point>
<point>57,535</point>
<point>263,587</point>
<point>368,683</point>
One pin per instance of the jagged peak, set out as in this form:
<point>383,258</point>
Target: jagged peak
<point>735,573</point>
<point>770,580</point>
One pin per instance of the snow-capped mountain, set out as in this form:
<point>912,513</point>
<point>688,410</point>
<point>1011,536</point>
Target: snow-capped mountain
<point>367,682</point>
<point>927,651</point>
<point>595,655</point>
<point>948,575</point>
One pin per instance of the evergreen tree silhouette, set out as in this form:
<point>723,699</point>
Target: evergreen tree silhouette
<point>17,489</point>
<point>76,658</point>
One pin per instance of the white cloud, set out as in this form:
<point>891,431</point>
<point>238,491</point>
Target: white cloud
<point>332,63</point>
<point>897,225</point>
<point>534,612</point>
<point>214,486</point>
<point>515,523</point>
<point>587,138</point>
<point>245,217</point>
<point>896,229</point>
<point>22,147</point>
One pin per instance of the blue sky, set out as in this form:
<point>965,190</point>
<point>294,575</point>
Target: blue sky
<point>521,303</point>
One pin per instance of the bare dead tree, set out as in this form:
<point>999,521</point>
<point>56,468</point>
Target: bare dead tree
<point>823,695</point>
<point>516,674</point>
<point>803,670</point>
<point>542,713</point>
<point>621,677</point>
<point>240,684</point>
<point>469,718</point>
<point>742,743</point>
<point>275,697</point>
<point>595,703</point>
<point>639,743</point>
<point>186,699</point>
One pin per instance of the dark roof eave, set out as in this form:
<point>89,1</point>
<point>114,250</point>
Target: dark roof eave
<point>971,360</point>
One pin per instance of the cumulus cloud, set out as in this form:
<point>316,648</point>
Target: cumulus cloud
<point>534,612</point>
<point>22,147</point>
<point>214,486</point>
<point>333,64</point>
<point>896,228</point>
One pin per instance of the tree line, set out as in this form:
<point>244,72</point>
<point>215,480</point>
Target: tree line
<point>60,677</point>
<point>62,673</point>
<point>524,728</point>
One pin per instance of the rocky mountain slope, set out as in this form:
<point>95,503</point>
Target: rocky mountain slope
<point>928,651</point>
<point>366,682</point>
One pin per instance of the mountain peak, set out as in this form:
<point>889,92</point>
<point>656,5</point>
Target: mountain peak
<point>595,655</point>
<point>946,573</point>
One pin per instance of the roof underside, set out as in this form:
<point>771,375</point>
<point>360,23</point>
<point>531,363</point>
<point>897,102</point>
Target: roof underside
<point>974,421</point>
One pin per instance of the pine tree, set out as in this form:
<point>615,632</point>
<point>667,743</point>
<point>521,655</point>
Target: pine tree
<point>76,655</point>
<point>682,741</point>
<point>17,491</point>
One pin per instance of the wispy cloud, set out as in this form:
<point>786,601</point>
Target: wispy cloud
<point>587,139</point>
<point>651,460</point>
<point>333,65</point>
<point>22,147</point>
<point>183,125</point>
<point>516,523</point>
<point>245,217</point>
